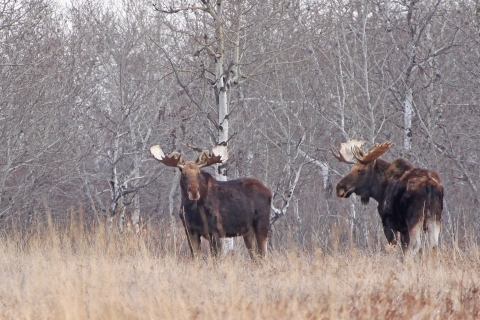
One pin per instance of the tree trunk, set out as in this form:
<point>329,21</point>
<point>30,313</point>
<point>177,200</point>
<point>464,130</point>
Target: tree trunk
<point>408,114</point>
<point>114,184</point>
<point>222,96</point>
<point>171,206</point>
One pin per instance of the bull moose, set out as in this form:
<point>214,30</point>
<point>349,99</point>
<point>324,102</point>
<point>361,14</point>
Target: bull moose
<point>410,199</point>
<point>216,209</point>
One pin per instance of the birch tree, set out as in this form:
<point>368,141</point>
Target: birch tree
<point>359,82</point>
<point>226,52</point>
<point>419,17</point>
<point>222,80</point>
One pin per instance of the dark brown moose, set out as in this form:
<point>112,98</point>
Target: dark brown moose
<point>409,199</point>
<point>216,209</point>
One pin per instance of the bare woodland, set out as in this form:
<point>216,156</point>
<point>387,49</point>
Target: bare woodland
<point>87,89</point>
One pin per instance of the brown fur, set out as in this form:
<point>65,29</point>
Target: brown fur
<point>409,199</point>
<point>216,209</point>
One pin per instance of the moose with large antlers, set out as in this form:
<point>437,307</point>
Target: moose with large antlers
<point>409,199</point>
<point>216,209</point>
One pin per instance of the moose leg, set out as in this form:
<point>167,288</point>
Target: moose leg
<point>193,238</point>
<point>433,230</point>
<point>404,241</point>
<point>194,243</point>
<point>262,241</point>
<point>389,232</point>
<point>415,230</point>
<point>249,239</point>
<point>261,227</point>
<point>390,235</point>
<point>215,245</point>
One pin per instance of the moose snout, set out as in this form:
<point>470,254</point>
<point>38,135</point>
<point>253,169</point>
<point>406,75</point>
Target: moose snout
<point>340,192</point>
<point>343,192</point>
<point>193,193</point>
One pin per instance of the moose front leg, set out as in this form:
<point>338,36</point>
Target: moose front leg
<point>215,245</point>
<point>194,242</point>
<point>193,238</point>
<point>390,233</point>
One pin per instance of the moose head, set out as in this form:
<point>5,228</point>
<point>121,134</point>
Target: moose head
<point>191,177</point>
<point>364,178</point>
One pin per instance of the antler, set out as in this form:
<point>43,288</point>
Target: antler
<point>376,151</point>
<point>174,160</point>
<point>345,153</point>
<point>219,155</point>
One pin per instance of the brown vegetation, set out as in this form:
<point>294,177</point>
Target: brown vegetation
<point>76,274</point>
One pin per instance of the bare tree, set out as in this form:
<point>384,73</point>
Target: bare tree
<point>119,115</point>
<point>225,39</point>
<point>34,118</point>
<point>86,89</point>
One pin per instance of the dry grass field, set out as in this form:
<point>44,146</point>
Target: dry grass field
<point>74,274</point>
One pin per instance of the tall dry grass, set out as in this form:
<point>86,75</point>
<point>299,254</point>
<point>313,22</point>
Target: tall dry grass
<point>76,274</point>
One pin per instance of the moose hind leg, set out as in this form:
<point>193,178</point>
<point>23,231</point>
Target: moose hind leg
<point>249,239</point>
<point>404,241</point>
<point>262,241</point>
<point>261,227</point>
<point>433,230</point>
<point>415,236</point>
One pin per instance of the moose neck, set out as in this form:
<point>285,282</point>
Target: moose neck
<point>379,168</point>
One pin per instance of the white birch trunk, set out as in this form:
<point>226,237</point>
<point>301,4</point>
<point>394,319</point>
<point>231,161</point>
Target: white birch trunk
<point>341,91</point>
<point>116,192</point>
<point>171,195</point>
<point>408,102</point>
<point>136,171</point>
<point>277,213</point>
<point>323,166</point>
<point>352,216</point>
<point>121,218</point>
<point>296,214</point>
<point>92,195</point>
<point>221,89</point>
<point>114,185</point>
<point>136,200</point>
<point>365,71</point>
<point>408,114</point>
<point>171,206</point>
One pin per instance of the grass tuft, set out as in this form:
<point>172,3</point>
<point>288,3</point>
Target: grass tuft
<point>66,274</point>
